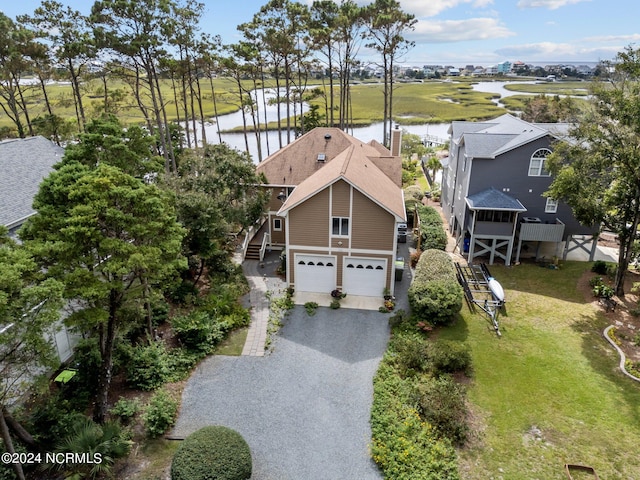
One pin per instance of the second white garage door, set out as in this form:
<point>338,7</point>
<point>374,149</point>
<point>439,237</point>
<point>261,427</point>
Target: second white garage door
<point>315,273</point>
<point>364,276</point>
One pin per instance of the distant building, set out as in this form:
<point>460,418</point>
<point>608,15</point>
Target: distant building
<point>504,67</point>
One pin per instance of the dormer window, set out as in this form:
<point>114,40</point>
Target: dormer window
<point>322,157</point>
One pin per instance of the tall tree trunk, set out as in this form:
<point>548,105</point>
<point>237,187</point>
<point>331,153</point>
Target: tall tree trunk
<point>8,444</point>
<point>105,372</point>
<point>201,109</point>
<point>278,100</point>
<point>77,94</point>
<point>25,110</point>
<point>177,104</point>
<point>215,108</point>
<point>49,110</point>
<point>264,103</point>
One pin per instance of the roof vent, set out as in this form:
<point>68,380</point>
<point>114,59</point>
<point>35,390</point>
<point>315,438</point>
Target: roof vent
<point>327,136</point>
<point>322,157</point>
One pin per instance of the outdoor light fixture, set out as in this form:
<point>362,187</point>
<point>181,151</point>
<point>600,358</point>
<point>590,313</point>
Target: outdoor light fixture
<point>282,196</point>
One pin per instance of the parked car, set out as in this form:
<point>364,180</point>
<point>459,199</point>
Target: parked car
<point>402,233</point>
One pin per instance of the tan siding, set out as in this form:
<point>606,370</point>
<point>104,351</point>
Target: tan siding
<point>309,221</point>
<point>278,236</point>
<point>336,240</point>
<point>340,197</point>
<point>339,272</point>
<point>373,227</point>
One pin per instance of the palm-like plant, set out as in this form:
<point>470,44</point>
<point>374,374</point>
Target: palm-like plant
<point>98,445</point>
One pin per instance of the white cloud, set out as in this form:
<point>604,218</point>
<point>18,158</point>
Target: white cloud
<point>635,37</point>
<point>550,4</point>
<point>548,51</point>
<point>459,30</point>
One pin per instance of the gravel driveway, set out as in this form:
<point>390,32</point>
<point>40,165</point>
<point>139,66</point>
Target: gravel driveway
<point>304,409</point>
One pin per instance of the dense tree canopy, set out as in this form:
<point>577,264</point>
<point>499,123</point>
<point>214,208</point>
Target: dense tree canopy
<point>110,239</point>
<point>597,171</point>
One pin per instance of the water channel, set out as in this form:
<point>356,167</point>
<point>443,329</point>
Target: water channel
<point>366,134</point>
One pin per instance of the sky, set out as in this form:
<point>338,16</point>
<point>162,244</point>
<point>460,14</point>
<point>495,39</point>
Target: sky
<point>462,32</point>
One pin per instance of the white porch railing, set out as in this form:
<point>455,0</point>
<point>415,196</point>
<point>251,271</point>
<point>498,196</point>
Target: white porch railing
<point>251,232</point>
<point>266,241</point>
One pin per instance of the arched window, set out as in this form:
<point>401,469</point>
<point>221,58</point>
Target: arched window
<point>538,163</point>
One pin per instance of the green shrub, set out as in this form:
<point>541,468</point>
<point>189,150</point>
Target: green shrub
<point>436,301</point>
<point>435,294</point>
<point>404,446</point>
<point>147,366</point>
<point>433,236</point>
<point>310,308</point>
<point>180,362</point>
<point>603,291</point>
<point>87,437</point>
<point>599,267</point>
<point>185,293</point>
<point>125,409</point>
<point>334,305</point>
<point>429,215</point>
<point>410,350</point>
<point>198,331</point>
<point>442,404</point>
<point>413,192</point>
<point>213,452</point>
<point>447,356</point>
<point>595,281</point>
<point>160,413</point>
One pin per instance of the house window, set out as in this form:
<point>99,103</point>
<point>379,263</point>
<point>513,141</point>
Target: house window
<point>538,163</point>
<point>277,224</point>
<point>551,206</point>
<point>340,226</point>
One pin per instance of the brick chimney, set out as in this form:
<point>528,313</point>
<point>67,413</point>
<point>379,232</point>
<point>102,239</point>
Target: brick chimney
<point>396,140</point>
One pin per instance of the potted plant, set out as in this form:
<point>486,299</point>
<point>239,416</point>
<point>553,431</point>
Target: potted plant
<point>337,293</point>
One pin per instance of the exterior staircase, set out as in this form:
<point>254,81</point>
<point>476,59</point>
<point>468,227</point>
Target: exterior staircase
<point>253,252</point>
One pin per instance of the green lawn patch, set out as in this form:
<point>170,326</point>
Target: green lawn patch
<point>548,392</point>
<point>234,343</point>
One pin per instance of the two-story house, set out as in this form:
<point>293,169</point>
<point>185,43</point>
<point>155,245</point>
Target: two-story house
<point>335,202</point>
<point>493,185</point>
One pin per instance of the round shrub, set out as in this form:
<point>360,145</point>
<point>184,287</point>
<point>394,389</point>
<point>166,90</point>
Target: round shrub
<point>442,404</point>
<point>160,414</point>
<point>436,301</point>
<point>212,453</point>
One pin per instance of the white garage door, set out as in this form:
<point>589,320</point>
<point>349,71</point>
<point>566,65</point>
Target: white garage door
<point>315,273</point>
<point>364,276</point>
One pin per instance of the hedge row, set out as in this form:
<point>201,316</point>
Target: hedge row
<point>432,233</point>
<point>435,294</point>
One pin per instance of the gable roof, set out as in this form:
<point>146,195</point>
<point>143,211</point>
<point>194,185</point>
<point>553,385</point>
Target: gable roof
<point>502,134</point>
<point>355,168</point>
<point>24,163</point>
<point>493,199</point>
<point>292,164</point>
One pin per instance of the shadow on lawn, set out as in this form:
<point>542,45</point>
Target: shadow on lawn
<point>532,278</point>
<point>604,360</point>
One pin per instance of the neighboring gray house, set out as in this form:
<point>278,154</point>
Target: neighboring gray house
<point>24,162</point>
<point>493,185</point>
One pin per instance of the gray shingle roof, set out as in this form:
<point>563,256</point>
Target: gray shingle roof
<point>492,199</point>
<point>23,164</point>
<point>502,134</point>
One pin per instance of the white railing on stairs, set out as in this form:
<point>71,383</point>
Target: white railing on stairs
<point>266,241</point>
<point>251,232</point>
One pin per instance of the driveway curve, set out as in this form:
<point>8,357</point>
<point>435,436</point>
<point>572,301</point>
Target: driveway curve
<point>303,409</point>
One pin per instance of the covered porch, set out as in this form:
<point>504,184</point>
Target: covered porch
<point>493,223</point>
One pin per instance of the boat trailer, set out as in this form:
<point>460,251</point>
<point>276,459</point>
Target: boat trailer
<point>482,290</point>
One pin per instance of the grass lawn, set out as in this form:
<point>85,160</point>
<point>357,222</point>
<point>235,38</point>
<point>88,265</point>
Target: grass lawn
<point>234,343</point>
<point>547,393</point>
